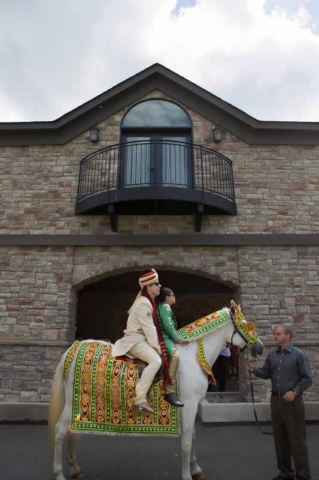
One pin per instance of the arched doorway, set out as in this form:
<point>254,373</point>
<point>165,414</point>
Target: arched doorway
<point>102,306</point>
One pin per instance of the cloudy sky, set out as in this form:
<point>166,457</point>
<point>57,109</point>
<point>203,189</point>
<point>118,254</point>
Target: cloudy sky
<point>262,56</point>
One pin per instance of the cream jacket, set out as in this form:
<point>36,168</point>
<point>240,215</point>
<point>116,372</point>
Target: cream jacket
<point>140,327</point>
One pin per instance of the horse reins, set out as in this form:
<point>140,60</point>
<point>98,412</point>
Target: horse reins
<point>236,330</point>
<point>254,408</point>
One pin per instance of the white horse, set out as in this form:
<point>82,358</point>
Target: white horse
<point>192,380</point>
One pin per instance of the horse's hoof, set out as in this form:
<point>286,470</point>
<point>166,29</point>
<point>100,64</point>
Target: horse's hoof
<point>199,476</point>
<point>77,474</point>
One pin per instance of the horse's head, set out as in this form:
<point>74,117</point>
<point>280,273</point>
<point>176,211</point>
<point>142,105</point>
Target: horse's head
<point>244,333</point>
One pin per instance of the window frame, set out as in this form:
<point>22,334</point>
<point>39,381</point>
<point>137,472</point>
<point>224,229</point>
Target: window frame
<point>153,134</point>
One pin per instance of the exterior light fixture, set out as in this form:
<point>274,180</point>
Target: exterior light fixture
<point>217,134</point>
<point>94,134</point>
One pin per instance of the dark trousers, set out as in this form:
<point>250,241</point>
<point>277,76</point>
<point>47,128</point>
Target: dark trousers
<point>220,371</point>
<point>289,426</point>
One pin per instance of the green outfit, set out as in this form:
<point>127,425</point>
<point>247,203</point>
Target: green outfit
<point>168,326</point>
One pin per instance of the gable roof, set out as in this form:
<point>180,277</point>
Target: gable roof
<point>157,76</point>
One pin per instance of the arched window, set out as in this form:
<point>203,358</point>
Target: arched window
<point>157,138</point>
<point>156,114</point>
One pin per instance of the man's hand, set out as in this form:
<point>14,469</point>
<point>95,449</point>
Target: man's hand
<point>289,396</point>
<point>249,366</point>
<point>182,342</point>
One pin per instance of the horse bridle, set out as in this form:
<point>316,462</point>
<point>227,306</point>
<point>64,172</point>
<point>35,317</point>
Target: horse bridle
<point>236,330</point>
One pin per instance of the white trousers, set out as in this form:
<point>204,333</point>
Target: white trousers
<point>149,355</point>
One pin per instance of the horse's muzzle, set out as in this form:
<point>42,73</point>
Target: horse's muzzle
<point>257,349</point>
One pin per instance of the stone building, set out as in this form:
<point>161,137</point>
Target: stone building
<point>138,178</point>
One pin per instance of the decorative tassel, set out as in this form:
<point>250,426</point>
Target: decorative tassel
<point>202,361</point>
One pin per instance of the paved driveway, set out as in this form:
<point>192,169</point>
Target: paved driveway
<point>226,452</point>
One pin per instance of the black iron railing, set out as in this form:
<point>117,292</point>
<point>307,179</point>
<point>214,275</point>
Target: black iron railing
<point>156,163</point>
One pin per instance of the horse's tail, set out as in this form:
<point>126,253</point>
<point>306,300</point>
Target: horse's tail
<point>57,401</point>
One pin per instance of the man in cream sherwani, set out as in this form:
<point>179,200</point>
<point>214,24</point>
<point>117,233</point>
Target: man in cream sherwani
<point>140,337</point>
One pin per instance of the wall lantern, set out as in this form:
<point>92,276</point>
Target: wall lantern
<point>217,134</point>
<point>94,134</point>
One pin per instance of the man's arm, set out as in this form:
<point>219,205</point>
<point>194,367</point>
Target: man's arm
<point>305,379</point>
<point>168,323</point>
<point>261,372</point>
<point>145,316</point>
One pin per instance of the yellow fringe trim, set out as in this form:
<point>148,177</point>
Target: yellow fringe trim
<point>202,361</point>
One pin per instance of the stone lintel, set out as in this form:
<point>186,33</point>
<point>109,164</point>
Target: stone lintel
<point>187,239</point>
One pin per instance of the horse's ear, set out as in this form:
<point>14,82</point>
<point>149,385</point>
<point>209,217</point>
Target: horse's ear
<point>233,307</point>
<point>233,304</point>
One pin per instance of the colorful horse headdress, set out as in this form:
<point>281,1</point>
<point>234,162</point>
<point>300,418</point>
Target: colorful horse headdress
<point>245,328</point>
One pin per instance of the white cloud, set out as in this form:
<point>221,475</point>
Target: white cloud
<point>57,55</point>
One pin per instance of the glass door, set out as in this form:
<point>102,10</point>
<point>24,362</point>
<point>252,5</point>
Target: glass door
<point>137,156</point>
<point>156,158</point>
<point>175,158</point>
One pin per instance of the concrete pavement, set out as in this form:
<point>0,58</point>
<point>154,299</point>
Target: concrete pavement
<point>225,452</point>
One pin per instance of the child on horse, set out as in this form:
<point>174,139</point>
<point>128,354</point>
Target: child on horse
<point>168,326</point>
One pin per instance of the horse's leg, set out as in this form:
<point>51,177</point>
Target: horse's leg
<point>197,473</point>
<point>188,421</point>
<point>71,458</point>
<point>61,430</point>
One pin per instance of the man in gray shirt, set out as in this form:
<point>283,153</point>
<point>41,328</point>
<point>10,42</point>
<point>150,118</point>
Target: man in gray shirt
<point>289,371</point>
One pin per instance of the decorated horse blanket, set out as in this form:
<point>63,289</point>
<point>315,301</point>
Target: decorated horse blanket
<point>104,387</point>
<point>201,327</point>
<point>103,394</point>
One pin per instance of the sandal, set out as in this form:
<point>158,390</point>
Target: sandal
<point>144,406</point>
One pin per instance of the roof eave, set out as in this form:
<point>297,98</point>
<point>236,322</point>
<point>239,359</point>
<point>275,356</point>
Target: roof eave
<point>80,119</point>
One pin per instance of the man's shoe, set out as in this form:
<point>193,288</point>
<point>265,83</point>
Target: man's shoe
<point>173,400</point>
<point>144,405</point>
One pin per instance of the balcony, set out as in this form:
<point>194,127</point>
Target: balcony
<point>156,178</point>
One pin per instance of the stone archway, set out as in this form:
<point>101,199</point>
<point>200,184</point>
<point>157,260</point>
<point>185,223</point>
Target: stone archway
<point>102,304</point>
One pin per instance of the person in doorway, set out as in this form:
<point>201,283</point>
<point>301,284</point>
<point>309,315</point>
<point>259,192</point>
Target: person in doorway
<point>233,361</point>
<point>168,326</point>
<point>289,371</point>
<point>220,367</point>
<point>143,338</point>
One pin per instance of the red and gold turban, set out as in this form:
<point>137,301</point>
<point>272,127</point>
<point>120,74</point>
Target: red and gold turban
<point>148,278</point>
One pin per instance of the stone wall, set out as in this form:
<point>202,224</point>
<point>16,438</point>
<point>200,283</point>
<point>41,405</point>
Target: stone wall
<point>36,298</point>
<point>26,372</point>
<point>280,284</point>
<point>277,187</point>
<point>277,191</point>
<point>39,286</point>
<point>94,263</point>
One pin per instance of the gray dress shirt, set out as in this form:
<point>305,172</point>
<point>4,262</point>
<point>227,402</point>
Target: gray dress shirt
<point>288,370</point>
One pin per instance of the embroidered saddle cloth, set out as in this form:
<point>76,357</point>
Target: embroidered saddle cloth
<point>201,327</point>
<point>103,394</point>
